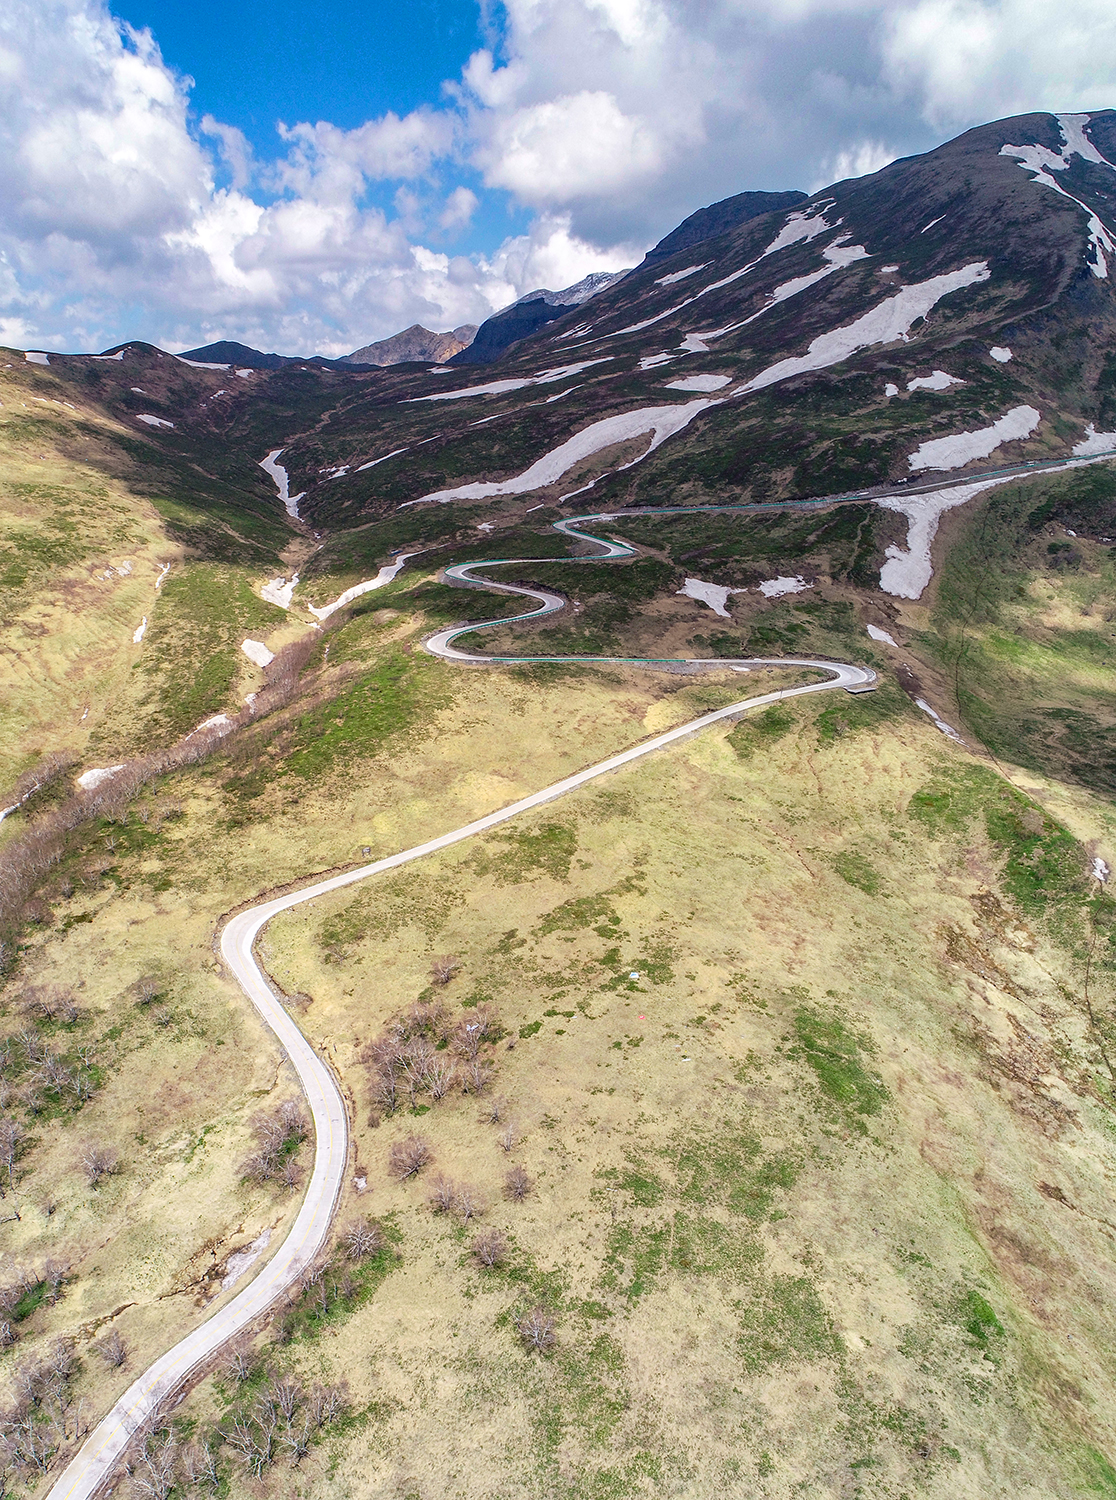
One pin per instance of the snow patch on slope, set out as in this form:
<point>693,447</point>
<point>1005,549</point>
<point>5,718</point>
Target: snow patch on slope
<point>680,275</point>
<point>257,652</point>
<point>1040,162</point>
<point>1000,355</point>
<point>385,575</point>
<point>938,381</point>
<point>282,483</point>
<point>153,421</point>
<point>661,422</point>
<point>959,449</point>
<point>1095,442</point>
<point>500,387</point>
<point>714,594</point>
<point>775,588</point>
<point>279,591</point>
<point>699,383</point>
<point>888,321</point>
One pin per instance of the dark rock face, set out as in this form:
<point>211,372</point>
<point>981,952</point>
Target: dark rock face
<point>718,218</point>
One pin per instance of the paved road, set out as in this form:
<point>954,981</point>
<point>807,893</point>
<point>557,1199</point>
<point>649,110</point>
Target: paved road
<point>155,1388</point>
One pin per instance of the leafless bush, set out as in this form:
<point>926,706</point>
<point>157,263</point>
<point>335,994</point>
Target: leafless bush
<point>474,1029</point>
<point>327,1403</point>
<point>495,1109</point>
<point>11,1137</point>
<point>508,1137</point>
<point>147,988</point>
<point>240,1361</point>
<point>275,1132</point>
<point>443,1194</point>
<point>440,1077</point>
<point>517,1184</point>
<point>443,969</point>
<point>113,1350</point>
<point>537,1330</point>
<point>476,1076</point>
<point>98,1162</point>
<point>291,1176</point>
<point>470,1204</point>
<point>362,1238</point>
<point>199,1466</point>
<point>153,1473</point>
<point>8,1335</point>
<point>55,1271</point>
<point>408,1157</point>
<point>490,1248</point>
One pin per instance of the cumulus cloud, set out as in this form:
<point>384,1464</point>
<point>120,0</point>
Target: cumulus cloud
<point>608,120</point>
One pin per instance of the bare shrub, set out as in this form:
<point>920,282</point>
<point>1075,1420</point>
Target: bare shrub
<point>408,1157</point>
<point>98,1162</point>
<point>495,1109</point>
<point>362,1238</point>
<point>443,1195</point>
<point>199,1466</point>
<point>517,1184</point>
<point>240,1361</point>
<point>291,1176</point>
<point>153,1474</point>
<point>508,1137</point>
<point>470,1204</point>
<point>113,1350</point>
<point>443,969</point>
<point>147,988</point>
<point>55,1271</point>
<point>327,1403</point>
<point>11,1138</point>
<point>476,1076</point>
<point>537,1330</point>
<point>440,1077</point>
<point>8,1335</point>
<point>275,1134</point>
<point>490,1248</point>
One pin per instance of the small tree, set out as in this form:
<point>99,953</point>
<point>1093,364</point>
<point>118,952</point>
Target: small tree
<point>240,1361</point>
<point>408,1157</point>
<point>113,1350</point>
<point>537,1330</point>
<point>517,1184</point>
<point>469,1205</point>
<point>362,1238</point>
<point>98,1162</point>
<point>490,1249</point>
<point>508,1137</point>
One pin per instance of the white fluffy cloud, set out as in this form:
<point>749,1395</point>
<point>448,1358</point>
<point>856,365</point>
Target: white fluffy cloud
<point>609,120</point>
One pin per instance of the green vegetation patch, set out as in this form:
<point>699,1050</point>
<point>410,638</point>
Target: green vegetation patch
<point>857,869</point>
<point>761,730</point>
<point>529,853</point>
<point>837,1055</point>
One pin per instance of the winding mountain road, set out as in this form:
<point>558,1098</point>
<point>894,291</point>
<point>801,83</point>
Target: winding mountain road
<point>154,1390</point>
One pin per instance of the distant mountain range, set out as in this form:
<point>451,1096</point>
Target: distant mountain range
<point>414,345</point>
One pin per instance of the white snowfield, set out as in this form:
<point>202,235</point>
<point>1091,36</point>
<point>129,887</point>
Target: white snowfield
<point>1101,871</point>
<point>881,635</point>
<point>197,364</point>
<point>652,361</point>
<point>140,631</point>
<point>120,353</point>
<point>1000,354</point>
<point>385,575</point>
<point>1040,161</point>
<point>151,421</point>
<point>939,723</point>
<point>36,357</point>
<point>90,779</point>
<point>699,383</point>
<point>500,387</point>
<point>279,591</point>
<point>938,381</point>
<point>257,652</point>
<point>891,389</point>
<point>680,275</point>
<point>282,482</point>
<point>837,256</point>
<point>962,447</point>
<point>775,588</point>
<point>163,571</point>
<point>889,320</point>
<point>395,452</point>
<point>660,421</point>
<point>713,594</point>
<point>906,574</point>
<point>1095,442</point>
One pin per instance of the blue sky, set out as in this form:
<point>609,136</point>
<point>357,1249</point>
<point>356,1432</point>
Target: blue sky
<point>307,178</point>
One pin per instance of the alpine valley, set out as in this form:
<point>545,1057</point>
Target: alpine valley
<point>554,922</point>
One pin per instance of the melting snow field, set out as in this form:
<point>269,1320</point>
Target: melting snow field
<point>906,574</point>
<point>713,594</point>
<point>1101,871</point>
<point>1000,354</point>
<point>257,652</point>
<point>775,588</point>
<point>385,575</point>
<point>500,387</point>
<point>681,275</point>
<point>1040,162</point>
<point>888,321</point>
<point>90,779</point>
<point>162,574</point>
<point>938,381</point>
<point>279,591</point>
<point>1095,442</point>
<point>139,631</point>
<point>33,357</point>
<point>699,383</point>
<point>652,361</point>
<point>153,421</point>
<point>661,422</point>
<point>282,482</point>
<point>947,729</point>
<point>891,389</point>
<point>959,449</point>
<point>881,635</point>
<point>238,1263</point>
